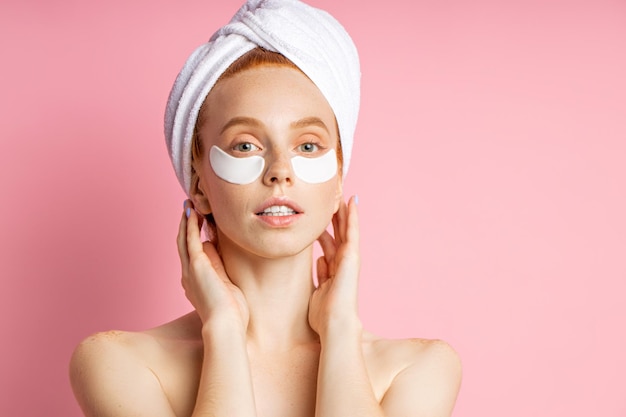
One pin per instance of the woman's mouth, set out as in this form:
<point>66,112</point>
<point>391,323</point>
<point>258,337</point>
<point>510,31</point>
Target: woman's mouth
<point>277,211</point>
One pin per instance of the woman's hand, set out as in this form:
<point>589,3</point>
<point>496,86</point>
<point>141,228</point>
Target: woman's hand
<point>204,279</point>
<point>333,305</point>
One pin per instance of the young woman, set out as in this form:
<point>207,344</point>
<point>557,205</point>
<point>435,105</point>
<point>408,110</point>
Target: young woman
<point>261,145</point>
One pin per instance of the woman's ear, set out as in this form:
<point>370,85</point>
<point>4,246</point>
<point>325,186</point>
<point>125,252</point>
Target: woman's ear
<point>199,197</point>
<point>338,193</point>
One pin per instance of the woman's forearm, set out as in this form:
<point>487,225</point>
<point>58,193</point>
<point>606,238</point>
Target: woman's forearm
<point>225,387</point>
<point>343,385</point>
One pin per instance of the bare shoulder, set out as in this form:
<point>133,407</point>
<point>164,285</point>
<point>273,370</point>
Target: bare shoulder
<point>415,352</point>
<point>101,350</point>
<point>110,343</point>
<point>115,373</point>
<point>422,376</point>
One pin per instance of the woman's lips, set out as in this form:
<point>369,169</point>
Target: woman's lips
<point>278,212</point>
<point>279,221</point>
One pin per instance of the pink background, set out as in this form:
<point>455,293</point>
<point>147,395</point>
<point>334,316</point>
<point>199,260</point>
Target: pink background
<point>490,166</point>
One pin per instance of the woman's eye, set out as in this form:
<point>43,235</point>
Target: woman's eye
<point>246,147</point>
<point>308,147</point>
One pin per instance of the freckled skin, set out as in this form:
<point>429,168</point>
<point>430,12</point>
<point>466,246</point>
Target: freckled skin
<point>285,382</point>
<point>258,322</point>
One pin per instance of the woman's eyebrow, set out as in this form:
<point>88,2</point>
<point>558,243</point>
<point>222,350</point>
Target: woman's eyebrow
<point>252,122</point>
<point>309,121</point>
<point>245,121</point>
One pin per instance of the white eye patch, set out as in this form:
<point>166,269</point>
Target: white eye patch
<point>315,170</point>
<point>236,170</point>
<point>246,170</point>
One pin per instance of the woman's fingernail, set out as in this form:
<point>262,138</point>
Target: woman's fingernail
<point>356,199</point>
<point>187,211</point>
<point>184,203</point>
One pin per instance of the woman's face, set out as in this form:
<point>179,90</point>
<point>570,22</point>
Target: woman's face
<point>275,113</point>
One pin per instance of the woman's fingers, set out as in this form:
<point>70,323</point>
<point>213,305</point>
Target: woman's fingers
<point>335,222</point>
<point>181,243</point>
<point>340,223</point>
<point>346,236</point>
<point>322,270</point>
<point>343,221</point>
<point>329,248</point>
<point>194,244</point>
<point>338,269</point>
<point>337,218</point>
<point>346,263</point>
<point>349,263</point>
<point>190,248</point>
<point>327,242</point>
<point>352,224</point>
<point>215,259</point>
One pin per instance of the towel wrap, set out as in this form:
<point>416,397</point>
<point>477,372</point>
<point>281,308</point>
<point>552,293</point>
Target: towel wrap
<point>310,38</point>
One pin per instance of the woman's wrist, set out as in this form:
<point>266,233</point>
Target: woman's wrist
<point>220,327</point>
<point>341,329</point>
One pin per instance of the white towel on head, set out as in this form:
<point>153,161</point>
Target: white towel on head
<point>311,38</point>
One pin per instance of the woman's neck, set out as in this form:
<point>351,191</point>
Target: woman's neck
<point>277,292</point>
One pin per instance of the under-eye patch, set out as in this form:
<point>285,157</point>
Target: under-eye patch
<point>248,169</point>
<point>236,170</point>
<point>315,170</point>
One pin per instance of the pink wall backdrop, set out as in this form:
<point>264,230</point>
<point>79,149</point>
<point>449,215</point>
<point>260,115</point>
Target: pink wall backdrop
<point>490,165</point>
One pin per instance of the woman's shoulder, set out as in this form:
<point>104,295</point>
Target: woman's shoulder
<point>411,350</point>
<point>113,364</point>
<point>126,365</point>
<point>138,343</point>
<point>102,349</point>
<point>406,368</point>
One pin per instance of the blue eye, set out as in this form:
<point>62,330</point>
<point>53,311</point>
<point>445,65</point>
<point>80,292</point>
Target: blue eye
<point>246,147</point>
<point>308,147</point>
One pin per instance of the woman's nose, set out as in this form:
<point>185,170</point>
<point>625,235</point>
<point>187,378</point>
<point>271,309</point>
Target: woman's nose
<point>278,170</point>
